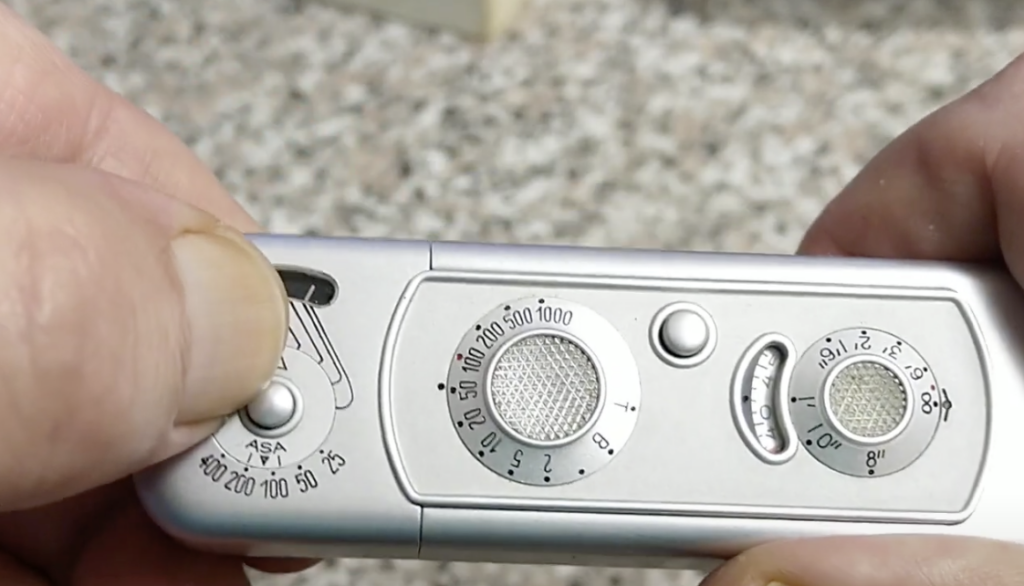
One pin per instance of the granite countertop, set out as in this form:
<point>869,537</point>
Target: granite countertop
<point>692,124</point>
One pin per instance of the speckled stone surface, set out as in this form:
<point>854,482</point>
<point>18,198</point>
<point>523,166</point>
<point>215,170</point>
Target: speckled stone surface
<point>694,124</point>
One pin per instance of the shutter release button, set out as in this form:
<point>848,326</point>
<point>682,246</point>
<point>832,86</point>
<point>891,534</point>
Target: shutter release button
<point>685,333</point>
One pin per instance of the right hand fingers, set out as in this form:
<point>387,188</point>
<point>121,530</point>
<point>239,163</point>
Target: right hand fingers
<point>950,188</point>
<point>892,560</point>
<point>50,110</point>
<point>130,325</point>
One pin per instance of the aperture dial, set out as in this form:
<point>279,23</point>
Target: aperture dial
<point>543,391</point>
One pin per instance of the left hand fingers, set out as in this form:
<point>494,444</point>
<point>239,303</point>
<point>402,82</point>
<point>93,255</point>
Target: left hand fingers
<point>876,561</point>
<point>51,111</point>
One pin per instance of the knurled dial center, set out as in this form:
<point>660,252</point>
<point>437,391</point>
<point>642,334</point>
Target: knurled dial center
<point>867,399</point>
<point>545,388</point>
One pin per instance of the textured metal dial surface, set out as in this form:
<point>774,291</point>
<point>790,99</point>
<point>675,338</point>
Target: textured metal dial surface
<point>302,436</point>
<point>864,402</point>
<point>867,399</point>
<point>544,388</point>
<point>543,391</point>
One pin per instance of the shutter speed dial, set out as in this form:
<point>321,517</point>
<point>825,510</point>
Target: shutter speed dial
<point>864,402</point>
<point>543,391</point>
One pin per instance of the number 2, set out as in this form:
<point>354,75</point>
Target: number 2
<point>334,462</point>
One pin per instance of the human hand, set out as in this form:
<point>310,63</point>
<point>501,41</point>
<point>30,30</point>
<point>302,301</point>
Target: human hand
<point>133,317</point>
<point>951,188</point>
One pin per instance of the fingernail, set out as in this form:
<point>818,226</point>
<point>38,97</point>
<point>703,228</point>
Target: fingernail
<point>237,319</point>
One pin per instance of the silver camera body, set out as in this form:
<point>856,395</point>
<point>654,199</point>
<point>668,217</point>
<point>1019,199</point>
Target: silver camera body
<point>581,406</point>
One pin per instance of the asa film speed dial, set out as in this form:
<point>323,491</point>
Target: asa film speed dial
<point>543,391</point>
<point>864,402</point>
<point>278,447</point>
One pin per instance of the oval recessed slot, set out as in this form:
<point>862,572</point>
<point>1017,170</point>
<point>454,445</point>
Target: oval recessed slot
<point>308,286</point>
<point>759,393</point>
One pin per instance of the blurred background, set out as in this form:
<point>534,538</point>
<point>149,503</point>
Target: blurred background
<point>685,124</point>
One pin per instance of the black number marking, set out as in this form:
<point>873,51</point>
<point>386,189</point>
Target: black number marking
<point>826,440</point>
<point>240,484</point>
<point>518,318</point>
<point>474,418</point>
<point>916,372</point>
<point>926,403</point>
<point>831,353</point>
<point>467,389</point>
<point>306,480</point>
<point>491,441</point>
<point>547,464</point>
<point>275,488</point>
<point>554,315</point>
<point>334,462</point>
<point>473,359</point>
<point>863,342</point>
<point>517,459</point>
<point>213,468</point>
<point>873,457</point>
<point>490,335</point>
<point>893,351</point>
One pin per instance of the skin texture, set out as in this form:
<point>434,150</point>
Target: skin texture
<point>118,245</point>
<point>950,188</point>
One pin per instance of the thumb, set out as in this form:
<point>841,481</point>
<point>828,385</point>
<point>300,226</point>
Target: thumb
<point>130,324</point>
<point>896,560</point>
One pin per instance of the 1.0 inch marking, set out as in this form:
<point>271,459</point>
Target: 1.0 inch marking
<point>270,485</point>
<point>519,459</point>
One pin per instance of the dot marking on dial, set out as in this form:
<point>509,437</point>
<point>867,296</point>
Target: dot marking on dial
<point>541,389</point>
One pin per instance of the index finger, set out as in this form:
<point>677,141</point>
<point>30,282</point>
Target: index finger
<point>950,188</point>
<point>52,111</point>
